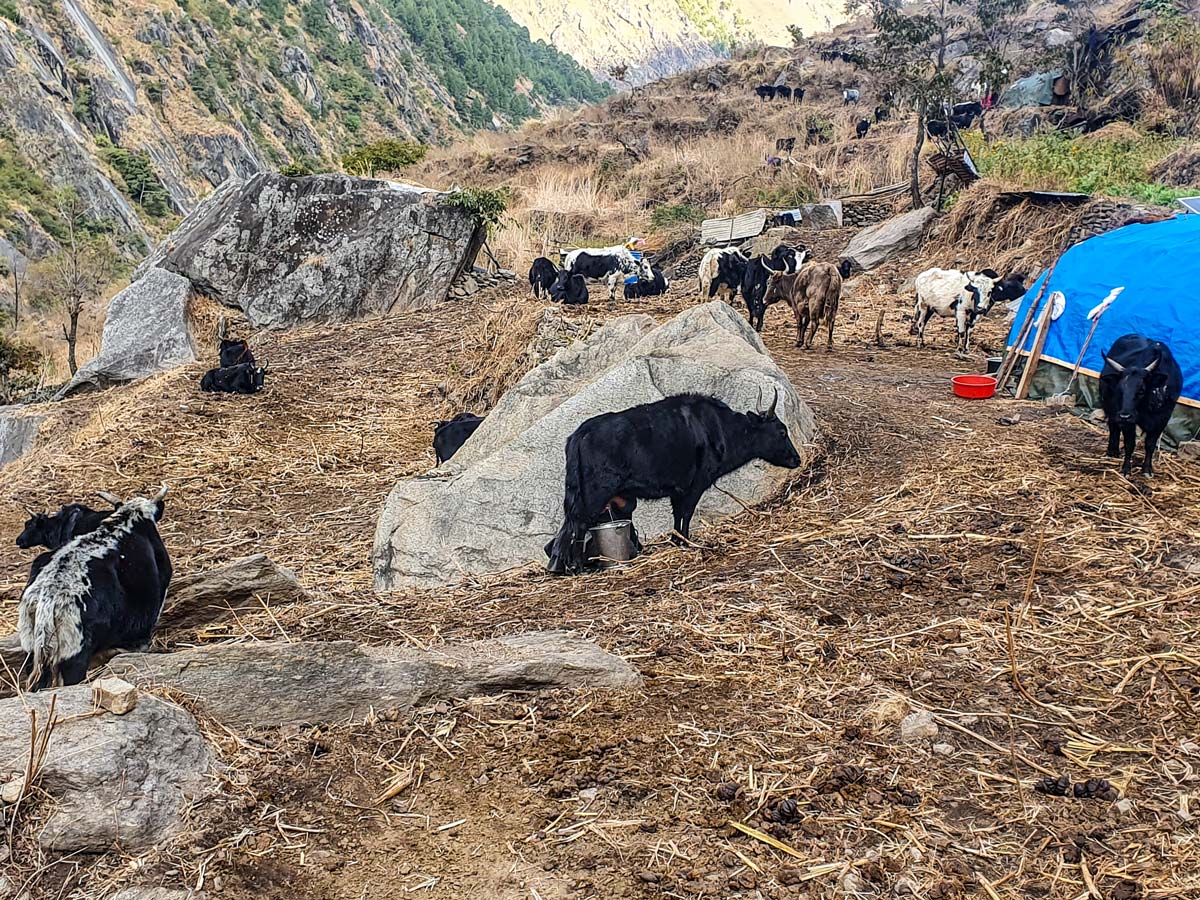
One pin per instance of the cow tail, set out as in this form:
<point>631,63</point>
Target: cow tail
<point>45,643</point>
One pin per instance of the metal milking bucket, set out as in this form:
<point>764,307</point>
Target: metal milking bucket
<point>611,543</point>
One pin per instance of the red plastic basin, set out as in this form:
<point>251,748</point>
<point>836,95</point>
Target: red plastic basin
<point>974,387</point>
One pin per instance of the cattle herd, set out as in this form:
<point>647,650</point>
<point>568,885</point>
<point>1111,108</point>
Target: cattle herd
<point>101,582</point>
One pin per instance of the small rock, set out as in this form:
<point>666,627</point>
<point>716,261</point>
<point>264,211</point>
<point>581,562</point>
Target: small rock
<point>905,887</point>
<point>1060,401</point>
<point>1057,37</point>
<point>943,749</point>
<point>7,887</point>
<point>970,720</point>
<point>1124,806</point>
<point>648,877</point>
<point>1096,417</point>
<point>116,695</point>
<point>852,883</point>
<point>12,790</point>
<point>918,726</point>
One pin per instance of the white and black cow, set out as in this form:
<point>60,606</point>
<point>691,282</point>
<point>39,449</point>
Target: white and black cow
<point>98,591</point>
<point>607,264</point>
<point>721,273</point>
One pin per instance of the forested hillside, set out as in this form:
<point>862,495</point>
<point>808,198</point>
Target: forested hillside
<point>142,107</point>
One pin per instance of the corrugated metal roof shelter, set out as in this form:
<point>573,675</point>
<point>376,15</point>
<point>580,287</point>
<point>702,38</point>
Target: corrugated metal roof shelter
<point>737,228</point>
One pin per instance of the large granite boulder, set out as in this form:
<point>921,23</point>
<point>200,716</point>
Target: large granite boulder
<point>18,429</point>
<point>272,683</point>
<point>499,500</point>
<point>115,780</point>
<point>877,244</point>
<point>325,248</point>
<point>146,330</point>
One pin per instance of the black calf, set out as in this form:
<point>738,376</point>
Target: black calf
<point>569,289</point>
<point>450,435</point>
<point>241,379</point>
<point>647,287</point>
<point>233,353</point>
<point>53,531</point>
<point>542,274</point>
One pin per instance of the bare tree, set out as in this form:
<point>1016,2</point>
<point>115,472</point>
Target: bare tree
<point>69,279</point>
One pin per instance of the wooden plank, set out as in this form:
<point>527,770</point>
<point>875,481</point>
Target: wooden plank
<point>723,231</point>
<point>1014,352</point>
<point>1035,354</point>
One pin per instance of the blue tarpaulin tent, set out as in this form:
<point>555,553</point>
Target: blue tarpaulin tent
<point>1159,266</point>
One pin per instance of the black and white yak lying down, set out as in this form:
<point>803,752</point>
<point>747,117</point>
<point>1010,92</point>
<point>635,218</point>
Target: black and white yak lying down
<point>99,591</point>
<point>676,447</point>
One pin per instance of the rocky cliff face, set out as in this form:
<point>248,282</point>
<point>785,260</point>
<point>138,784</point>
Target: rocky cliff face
<point>143,106</point>
<point>656,38</point>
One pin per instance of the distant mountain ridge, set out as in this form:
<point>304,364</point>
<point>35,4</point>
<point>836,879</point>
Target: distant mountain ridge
<point>656,38</point>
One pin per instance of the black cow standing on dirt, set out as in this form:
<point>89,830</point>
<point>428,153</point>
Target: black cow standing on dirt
<point>758,275</point>
<point>542,274</point>
<point>1139,386</point>
<point>676,447</point>
<point>450,435</point>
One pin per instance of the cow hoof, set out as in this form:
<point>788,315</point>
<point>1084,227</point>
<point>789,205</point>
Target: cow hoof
<point>1126,470</point>
<point>1147,473</point>
<point>1113,454</point>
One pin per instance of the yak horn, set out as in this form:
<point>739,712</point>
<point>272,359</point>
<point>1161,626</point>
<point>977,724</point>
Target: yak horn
<point>162,492</point>
<point>774,402</point>
<point>1116,365</point>
<point>110,498</point>
<point>1150,368</point>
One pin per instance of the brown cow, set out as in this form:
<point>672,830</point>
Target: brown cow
<point>813,295</point>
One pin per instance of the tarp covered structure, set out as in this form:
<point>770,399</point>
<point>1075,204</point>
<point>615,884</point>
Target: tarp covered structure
<point>1158,265</point>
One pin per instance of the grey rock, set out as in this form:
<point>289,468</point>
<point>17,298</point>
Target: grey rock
<point>956,49</point>
<point>12,657</point>
<point>278,683</point>
<point>824,215</point>
<point>1057,37</point>
<point>324,248</point>
<point>123,780</point>
<point>18,430</point>
<point>499,500</point>
<point>1188,450</point>
<point>877,244</point>
<point>156,893</point>
<point>918,726</point>
<point>249,582</point>
<point>146,331</point>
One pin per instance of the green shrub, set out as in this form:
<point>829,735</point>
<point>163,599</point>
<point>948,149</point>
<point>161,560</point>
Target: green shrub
<point>383,156</point>
<point>487,205</point>
<point>667,215</point>
<point>1117,166</point>
<point>8,10</point>
<point>141,182</point>
<point>19,363</point>
<point>201,82</point>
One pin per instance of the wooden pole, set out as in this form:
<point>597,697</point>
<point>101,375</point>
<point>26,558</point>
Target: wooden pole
<point>1014,352</point>
<point>1035,353</point>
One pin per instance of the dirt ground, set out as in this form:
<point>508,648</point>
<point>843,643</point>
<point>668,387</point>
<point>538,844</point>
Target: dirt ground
<point>1002,577</point>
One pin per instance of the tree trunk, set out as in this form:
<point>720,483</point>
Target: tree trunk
<point>16,298</point>
<point>915,184</point>
<point>72,336</point>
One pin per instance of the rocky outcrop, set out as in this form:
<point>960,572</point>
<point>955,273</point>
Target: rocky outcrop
<point>18,429</point>
<point>281,683</point>
<point>322,248</point>
<point>146,331</point>
<point>874,246</point>
<point>115,780</point>
<point>249,582</point>
<point>499,500</point>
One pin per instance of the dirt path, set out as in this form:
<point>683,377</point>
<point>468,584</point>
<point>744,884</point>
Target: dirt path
<point>779,659</point>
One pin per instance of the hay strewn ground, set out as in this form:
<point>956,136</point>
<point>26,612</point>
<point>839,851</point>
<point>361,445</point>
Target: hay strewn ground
<point>1004,579</point>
